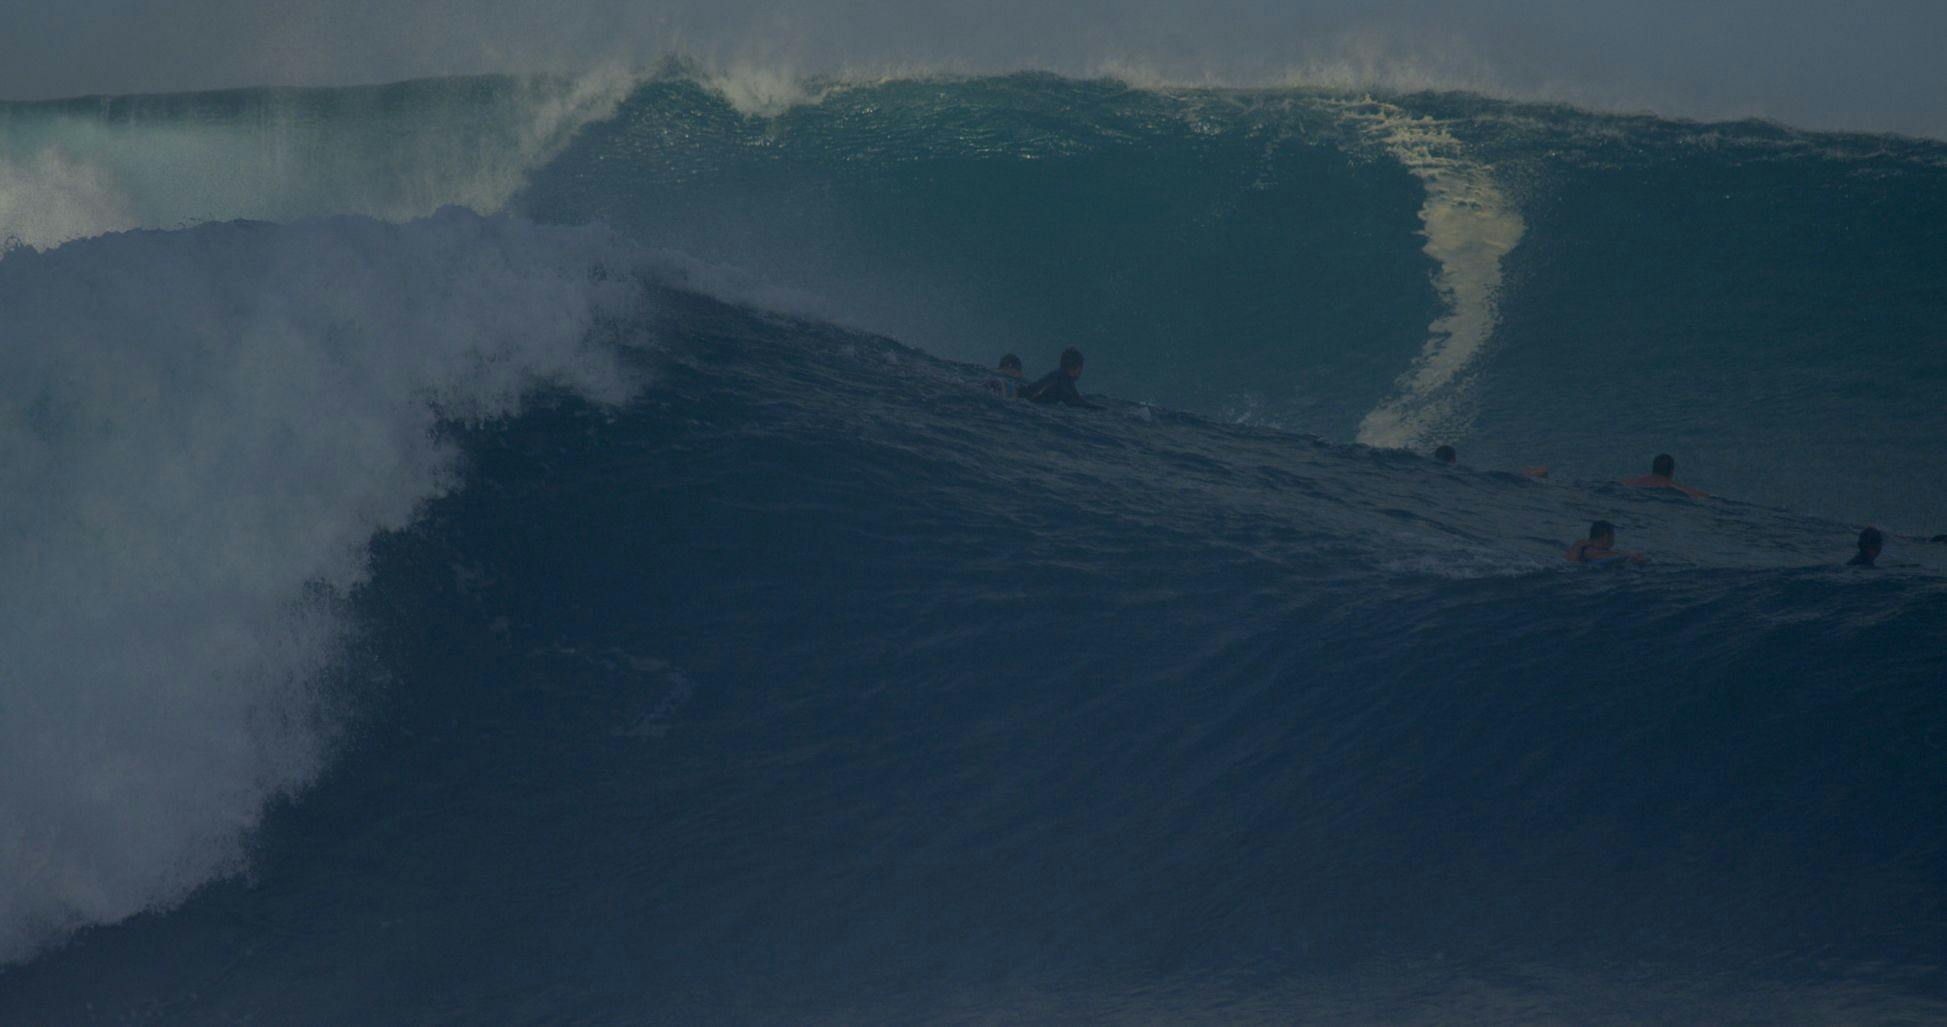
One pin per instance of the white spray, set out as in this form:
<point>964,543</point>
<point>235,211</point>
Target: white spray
<point>197,429</point>
<point>68,175</point>
<point>1469,227</point>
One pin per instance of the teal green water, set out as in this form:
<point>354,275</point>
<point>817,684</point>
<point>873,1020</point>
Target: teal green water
<point>633,606</point>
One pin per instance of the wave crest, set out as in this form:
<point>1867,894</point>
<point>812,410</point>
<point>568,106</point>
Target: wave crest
<point>204,429</point>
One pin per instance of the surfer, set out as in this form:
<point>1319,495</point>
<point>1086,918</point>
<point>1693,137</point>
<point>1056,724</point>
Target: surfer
<point>1662,469</point>
<point>1448,456</point>
<point>1870,541</point>
<point>1008,384</point>
<point>1600,547</point>
<point>1058,386</point>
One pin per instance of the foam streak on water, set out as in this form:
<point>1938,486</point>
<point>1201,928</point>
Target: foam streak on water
<point>1469,227</point>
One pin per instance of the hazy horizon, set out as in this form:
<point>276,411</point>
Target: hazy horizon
<point>1872,67</point>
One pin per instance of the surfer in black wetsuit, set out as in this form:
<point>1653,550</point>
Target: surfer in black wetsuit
<point>1058,386</point>
<point>1600,547</point>
<point>1870,541</point>
<point>1446,455</point>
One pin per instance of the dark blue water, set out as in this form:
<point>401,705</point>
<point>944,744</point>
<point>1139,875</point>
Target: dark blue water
<point>541,626</point>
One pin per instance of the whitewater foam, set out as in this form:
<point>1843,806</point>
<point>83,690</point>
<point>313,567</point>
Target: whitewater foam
<point>202,429</point>
<point>1469,226</point>
<point>45,196</point>
<point>762,90</point>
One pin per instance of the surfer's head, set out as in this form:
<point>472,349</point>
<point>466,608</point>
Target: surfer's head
<point>1011,366</point>
<point>1071,362</point>
<point>1870,542</point>
<point>1664,466</point>
<point>1445,455</point>
<point>1602,534</point>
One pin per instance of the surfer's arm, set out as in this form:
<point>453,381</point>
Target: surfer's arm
<point>1072,396</point>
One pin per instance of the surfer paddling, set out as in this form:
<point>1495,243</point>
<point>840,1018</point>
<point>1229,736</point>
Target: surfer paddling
<point>1600,547</point>
<point>1661,476</point>
<point>1058,385</point>
<point>1007,383</point>
<point>1870,544</point>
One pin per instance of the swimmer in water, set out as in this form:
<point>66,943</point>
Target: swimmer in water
<point>1447,455</point>
<point>1058,386</point>
<point>1662,469</point>
<point>1600,547</point>
<point>1870,542</point>
<point>1008,385</point>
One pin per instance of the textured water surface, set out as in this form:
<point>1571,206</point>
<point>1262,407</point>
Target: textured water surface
<point>623,600</point>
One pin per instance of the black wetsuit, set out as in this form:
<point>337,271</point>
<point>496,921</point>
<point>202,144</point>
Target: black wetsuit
<point>1585,552</point>
<point>1056,387</point>
<point>1862,560</point>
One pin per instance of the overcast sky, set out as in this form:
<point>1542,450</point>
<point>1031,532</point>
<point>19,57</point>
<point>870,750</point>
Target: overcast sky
<point>1864,64</point>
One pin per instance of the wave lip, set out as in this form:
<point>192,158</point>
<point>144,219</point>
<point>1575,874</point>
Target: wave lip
<point>204,428</point>
<point>80,168</point>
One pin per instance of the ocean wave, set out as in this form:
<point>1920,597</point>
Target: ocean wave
<point>204,428</point>
<point>815,645</point>
<point>80,168</point>
<point>774,647</point>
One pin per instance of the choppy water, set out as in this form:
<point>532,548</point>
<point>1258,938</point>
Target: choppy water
<point>631,606</point>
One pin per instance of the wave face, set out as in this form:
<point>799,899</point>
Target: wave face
<point>1534,285</point>
<point>657,619</point>
<point>77,168</point>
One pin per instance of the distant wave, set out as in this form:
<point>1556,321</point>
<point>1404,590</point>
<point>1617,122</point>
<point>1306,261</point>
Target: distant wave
<point>75,169</point>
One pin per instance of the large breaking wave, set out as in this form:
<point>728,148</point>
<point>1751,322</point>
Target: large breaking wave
<point>203,430</point>
<point>779,651</point>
